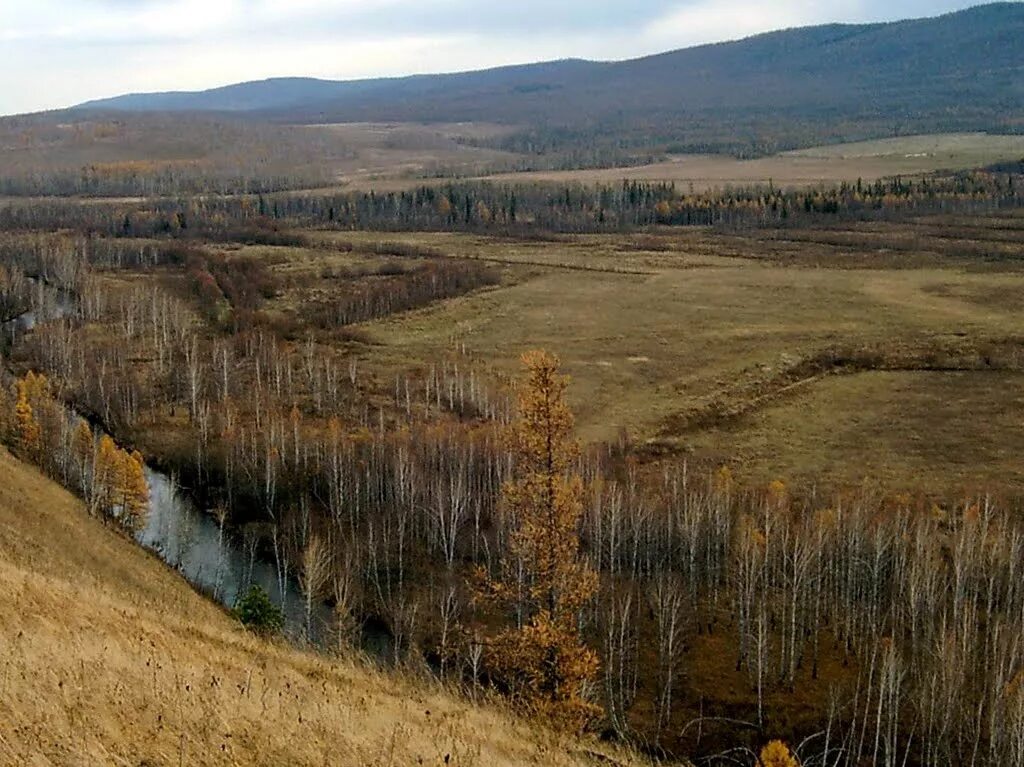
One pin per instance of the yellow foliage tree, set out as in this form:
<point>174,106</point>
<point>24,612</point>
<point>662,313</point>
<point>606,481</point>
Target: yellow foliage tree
<point>121,491</point>
<point>133,490</point>
<point>105,470</point>
<point>82,447</point>
<point>544,661</point>
<point>29,435</point>
<point>777,754</point>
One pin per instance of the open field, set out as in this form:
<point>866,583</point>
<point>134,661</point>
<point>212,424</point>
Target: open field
<point>389,157</point>
<point>108,657</point>
<point>388,151</point>
<point>888,430</point>
<point>100,156</point>
<point>870,160</point>
<point>678,337</point>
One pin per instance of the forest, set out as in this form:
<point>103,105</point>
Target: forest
<point>232,342</point>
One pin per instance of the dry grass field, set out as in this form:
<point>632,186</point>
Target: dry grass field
<point>107,657</point>
<point>383,152</point>
<point>705,344</point>
<point>869,160</point>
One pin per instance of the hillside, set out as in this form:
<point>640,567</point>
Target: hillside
<point>110,658</point>
<point>961,71</point>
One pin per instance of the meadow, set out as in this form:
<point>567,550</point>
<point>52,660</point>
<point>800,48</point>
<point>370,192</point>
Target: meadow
<point>867,160</point>
<point>710,344</point>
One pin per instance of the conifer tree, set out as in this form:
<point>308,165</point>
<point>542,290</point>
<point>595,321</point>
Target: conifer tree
<point>544,661</point>
<point>29,435</point>
<point>105,472</point>
<point>133,490</point>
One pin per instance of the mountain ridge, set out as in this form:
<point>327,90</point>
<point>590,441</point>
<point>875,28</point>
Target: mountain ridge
<point>962,71</point>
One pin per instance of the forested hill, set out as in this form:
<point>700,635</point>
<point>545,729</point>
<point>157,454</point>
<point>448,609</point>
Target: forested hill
<point>961,71</point>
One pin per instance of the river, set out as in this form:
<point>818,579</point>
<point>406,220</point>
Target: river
<point>208,555</point>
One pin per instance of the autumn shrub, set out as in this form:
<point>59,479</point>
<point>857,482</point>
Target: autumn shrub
<point>777,754</point>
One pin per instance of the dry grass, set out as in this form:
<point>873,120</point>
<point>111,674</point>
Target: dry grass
<point>655,325</point>
<point>870,160</point>
<point>107,657</point>
<point>885,429</point>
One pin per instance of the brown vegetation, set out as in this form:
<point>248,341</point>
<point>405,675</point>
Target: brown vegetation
<point>372,469</point>
<point>106,656</point>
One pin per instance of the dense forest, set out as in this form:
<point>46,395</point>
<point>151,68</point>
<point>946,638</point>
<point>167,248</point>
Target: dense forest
<point>522,208</point>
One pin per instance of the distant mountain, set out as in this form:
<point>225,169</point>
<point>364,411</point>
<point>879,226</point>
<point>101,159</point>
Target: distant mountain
<point>961,71</point>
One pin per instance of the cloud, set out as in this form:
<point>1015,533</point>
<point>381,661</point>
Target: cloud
<point>708,21</point>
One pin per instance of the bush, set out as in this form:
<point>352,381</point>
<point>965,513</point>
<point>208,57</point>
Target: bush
<point>258,613</point>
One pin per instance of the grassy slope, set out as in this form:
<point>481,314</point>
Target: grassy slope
<point>108,657</point>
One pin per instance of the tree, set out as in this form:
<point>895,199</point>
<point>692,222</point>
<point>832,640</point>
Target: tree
<point>29,434</point>
<point>105,475</point>
<point>83,446</point>
<point>314,576</point>
<point>8,420</point>
<point>544,661</point>
<point>133,490</point>
<point>120,488</point>
<point>258,613</point>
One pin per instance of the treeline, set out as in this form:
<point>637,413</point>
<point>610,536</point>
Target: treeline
<point>146,155</point>
<point>42,431</point>
<point>154,179</point>
<point>243,284</point>
<point>869,630</point>
<point>369,299</point>
<point>480,206</point>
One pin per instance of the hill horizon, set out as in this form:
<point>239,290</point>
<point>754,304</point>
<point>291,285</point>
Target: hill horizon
<point>787,89</point>
<point>125,98</point>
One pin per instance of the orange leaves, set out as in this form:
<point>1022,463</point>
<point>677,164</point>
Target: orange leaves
<point>542,436</point>
<point>545,663</point>
<point>547,667</point>
<point>29,434</point>
<point>777,494</point>
<point>112,479</point>
<point>121,491</point>
<point>777,754</point>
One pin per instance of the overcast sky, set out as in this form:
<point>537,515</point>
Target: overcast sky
<point>56,53</point>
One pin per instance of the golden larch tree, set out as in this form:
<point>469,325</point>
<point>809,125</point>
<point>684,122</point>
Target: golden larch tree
<point>133,490</point>
<point>82,447</point>
<point>29,434</point>
<point>543,661</point>
<point>8,421</point>
<point>105,470</point>
<point>121,491</point>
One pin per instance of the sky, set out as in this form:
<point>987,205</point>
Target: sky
<point>56,53</point>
